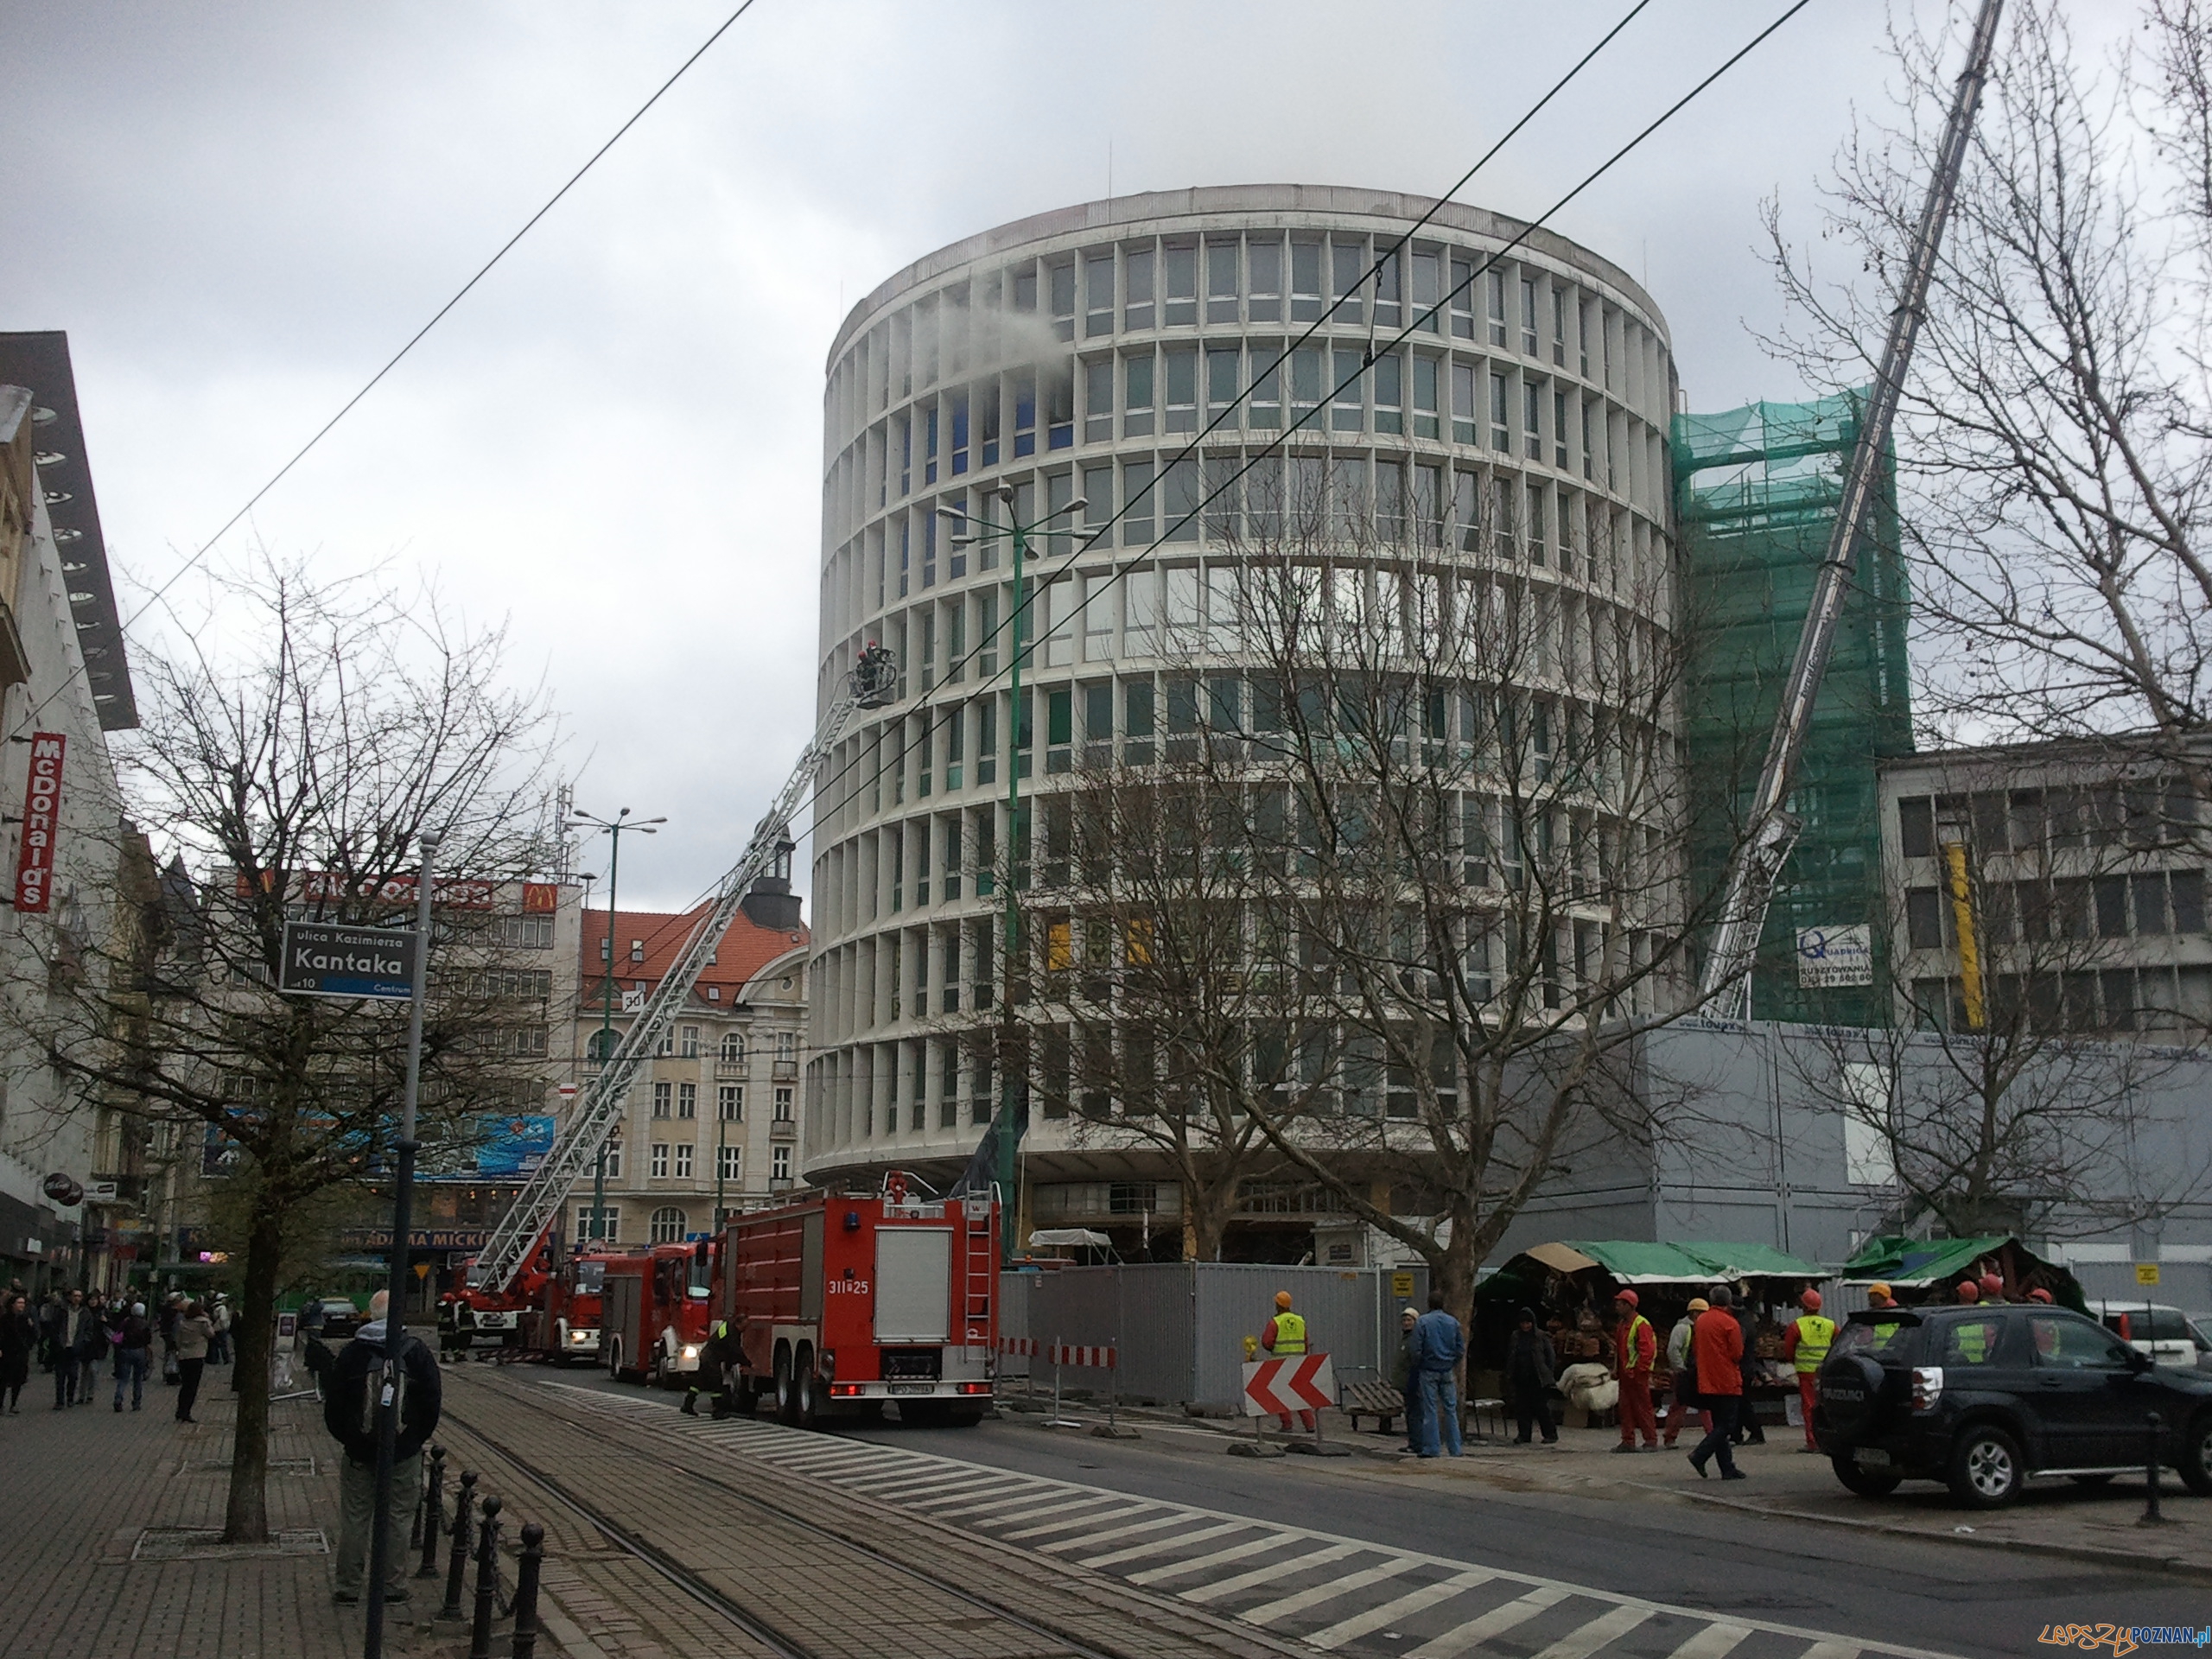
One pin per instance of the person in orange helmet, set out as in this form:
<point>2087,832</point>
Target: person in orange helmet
<point>1968,1293</point>
<point>1806,1345</point>
<point>1635,1350</point>
<point>2039,1294</point>
<point>1991,1287</point>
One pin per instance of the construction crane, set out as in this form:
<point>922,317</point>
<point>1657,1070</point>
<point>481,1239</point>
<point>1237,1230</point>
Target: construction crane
<point>1724,986</point>
<point>872,685</point>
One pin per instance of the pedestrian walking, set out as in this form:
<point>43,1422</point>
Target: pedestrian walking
<point>218,1350</point>
<point>1285,1337</point>
<point>1408,1379</point>
<point>1717,1351</point>
<point>351,1394</point>
<point>1635,1353</point>
<point>1682,1367</point>
<point>51,1312</point>
<point>134,1340</point>
<point>1748,1432</point>
<point>18,1345</point>
<point>71,1342</point>
<point>1439,1345</point>
<point>1806,1346</point>
<point>196,1332</point>
<point>1531,1369</point>
<point>172,1310</point>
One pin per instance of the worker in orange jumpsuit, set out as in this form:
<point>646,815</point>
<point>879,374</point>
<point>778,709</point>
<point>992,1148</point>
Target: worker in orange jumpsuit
<point>1285,1337</point>
<point>1635,1350</point>
<point>1806,1345</point>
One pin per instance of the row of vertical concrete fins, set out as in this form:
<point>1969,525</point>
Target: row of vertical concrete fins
<point>1756,490</point>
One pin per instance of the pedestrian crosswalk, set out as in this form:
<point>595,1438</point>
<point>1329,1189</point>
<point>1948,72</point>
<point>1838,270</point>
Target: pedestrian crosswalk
<point>1334,1593</point>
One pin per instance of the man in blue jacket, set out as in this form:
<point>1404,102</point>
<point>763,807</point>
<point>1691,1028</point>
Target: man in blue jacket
<point>1437,1345</point>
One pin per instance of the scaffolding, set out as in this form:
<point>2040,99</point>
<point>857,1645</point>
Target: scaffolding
<point>1756,491</point>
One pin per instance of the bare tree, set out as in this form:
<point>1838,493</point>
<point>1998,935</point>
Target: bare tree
<point>2020,1077</point>
<point>296,778</point>
<point>2054,447</point>
<point>1405,878</point>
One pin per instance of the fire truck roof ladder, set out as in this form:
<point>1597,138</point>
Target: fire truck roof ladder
<point>1724,986</point>
<point>599,1108</point>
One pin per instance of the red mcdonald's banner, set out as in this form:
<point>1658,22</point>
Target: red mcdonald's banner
<point>41,814</point>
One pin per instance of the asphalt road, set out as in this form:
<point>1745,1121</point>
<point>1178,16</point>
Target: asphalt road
<point>1959,1599</point>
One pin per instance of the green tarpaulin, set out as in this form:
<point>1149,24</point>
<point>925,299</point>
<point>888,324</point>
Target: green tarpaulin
<point>1633,1262</point>
<point>1935,1264</point>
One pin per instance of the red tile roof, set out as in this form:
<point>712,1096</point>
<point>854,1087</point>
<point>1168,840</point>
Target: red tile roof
<point>744,950</point>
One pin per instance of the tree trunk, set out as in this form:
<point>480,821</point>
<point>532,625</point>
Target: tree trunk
<point>245,1514</point>
<point>1208,1205</point>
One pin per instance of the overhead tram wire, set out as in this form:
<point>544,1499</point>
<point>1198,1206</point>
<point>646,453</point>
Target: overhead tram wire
<point>416,339</point>
<point>1274,445</point>
<point>1093,534</point>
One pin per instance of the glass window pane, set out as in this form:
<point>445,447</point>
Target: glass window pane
<point>1221,281</point>
<point>1305,281</point>
<point>1136,275</point>
<point>1182,283</point>
<point>1264,260</point>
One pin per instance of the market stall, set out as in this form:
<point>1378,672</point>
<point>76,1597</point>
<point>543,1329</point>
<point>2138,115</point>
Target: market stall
<point>1571,1287</point>
<point>1919,1270</point>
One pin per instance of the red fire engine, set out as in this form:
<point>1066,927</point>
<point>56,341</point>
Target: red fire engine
<point>564,1325</point>
<point>467,1314</point>
<point>842,1302</point>
<point>654,1309</point>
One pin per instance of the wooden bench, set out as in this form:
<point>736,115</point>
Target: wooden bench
<point>1376,1399</point>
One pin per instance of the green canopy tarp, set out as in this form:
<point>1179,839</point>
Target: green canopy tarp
<point>1937,1263</point>
<point>1633,1262</point>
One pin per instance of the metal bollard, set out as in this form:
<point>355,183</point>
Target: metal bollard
<point>487,1583</point>
<point>457,1563</point>
<point>533,1560</point>
<point>434,1507</point>
<point>2151,1516</point>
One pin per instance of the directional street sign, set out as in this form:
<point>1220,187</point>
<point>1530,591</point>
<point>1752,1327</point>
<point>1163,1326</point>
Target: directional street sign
<point>323,959</point>
<point>1276,1387</point>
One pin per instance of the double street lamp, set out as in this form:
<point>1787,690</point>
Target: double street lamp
<point>976,530</point>
<point>612,829</point>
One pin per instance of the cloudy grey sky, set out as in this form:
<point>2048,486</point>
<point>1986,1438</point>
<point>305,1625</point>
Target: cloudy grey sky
<point>238,211</point>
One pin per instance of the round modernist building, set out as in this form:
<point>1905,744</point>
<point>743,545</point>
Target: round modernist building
<point>1078,354</point>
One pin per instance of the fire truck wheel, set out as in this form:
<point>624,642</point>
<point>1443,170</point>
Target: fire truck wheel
<point>614,1357</point>
<point>809,1396</point>
<point>657,1377</point>
<point>786,1390</point>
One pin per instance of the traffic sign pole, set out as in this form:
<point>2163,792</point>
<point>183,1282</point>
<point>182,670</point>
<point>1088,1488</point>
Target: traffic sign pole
<point>403,1221</point>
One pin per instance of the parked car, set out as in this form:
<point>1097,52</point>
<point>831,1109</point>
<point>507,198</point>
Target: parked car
<point>340,1318</point>
<point>2163,1332</point>
<point>1985,1398</point>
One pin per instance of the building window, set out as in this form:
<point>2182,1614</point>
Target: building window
<point>783,1107</point>
<point>734,1048</point>
<point>668,1225</point>
<point>688,1046</point>
<point>658,1167</point>
<point>687,1100</point>
<point>663,1093</point>
<point>1924,918</point>
<point>1917,827</point>
<point>606,1233</point>
<point>637,949</point>
<point>684,1161</point>
<point>729,1101</point>
<point>614,1159</point>
<point>781,1169</point>
<point>729,1163</point>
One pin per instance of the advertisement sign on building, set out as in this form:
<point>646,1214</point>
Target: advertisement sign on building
<point>323,960</point>
<point>1832,956</point>
<point>41,810</point>
<point>513,1148</point>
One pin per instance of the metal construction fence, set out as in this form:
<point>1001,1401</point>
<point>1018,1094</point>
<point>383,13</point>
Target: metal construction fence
<point>1178,1327</point>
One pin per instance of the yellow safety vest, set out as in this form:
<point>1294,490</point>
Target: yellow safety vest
<point>1973,1343</point>
<point>1290,1335</point>
<point>1815,1336</point>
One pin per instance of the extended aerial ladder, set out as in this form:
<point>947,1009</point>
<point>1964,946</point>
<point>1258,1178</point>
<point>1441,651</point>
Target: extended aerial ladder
<point>872,685</point>
<point>1771,829</point>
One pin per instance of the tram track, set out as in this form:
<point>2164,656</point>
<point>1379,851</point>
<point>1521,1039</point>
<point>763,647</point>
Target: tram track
<point>764,1629</point>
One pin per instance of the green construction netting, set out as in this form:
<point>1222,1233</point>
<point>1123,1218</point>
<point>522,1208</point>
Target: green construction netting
<point>1756,492</point>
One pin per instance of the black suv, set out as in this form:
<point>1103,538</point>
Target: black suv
<point>1983,1397</point>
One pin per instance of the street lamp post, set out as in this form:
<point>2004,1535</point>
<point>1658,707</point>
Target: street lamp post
<point>984,530</point>
<point>612,829</point>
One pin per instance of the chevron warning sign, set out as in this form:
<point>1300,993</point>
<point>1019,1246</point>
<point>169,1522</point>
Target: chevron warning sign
<point>1276,1387</point>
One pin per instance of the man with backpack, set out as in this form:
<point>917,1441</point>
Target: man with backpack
<point>351,1393</point>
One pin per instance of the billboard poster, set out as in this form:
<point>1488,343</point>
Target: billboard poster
<point>42,815</point>
<point>514,1146</point>
<point>1834,956</point>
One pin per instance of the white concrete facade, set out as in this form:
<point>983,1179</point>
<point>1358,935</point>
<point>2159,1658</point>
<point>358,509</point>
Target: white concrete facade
<point>1080,354</point>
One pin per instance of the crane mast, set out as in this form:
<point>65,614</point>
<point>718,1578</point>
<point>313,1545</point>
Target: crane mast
<point>1724,986</point>
<point>600,1106</point>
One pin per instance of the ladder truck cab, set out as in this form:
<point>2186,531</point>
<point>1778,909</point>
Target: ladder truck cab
<point>564,1325</point>
<point>654,1311</point>
<point>842,1301</point>
<point>471,1313</point>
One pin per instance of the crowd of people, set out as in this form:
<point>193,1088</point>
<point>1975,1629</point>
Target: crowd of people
<point>71,1334</point>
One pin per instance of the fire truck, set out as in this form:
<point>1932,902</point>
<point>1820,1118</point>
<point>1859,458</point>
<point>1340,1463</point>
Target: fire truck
<point>842,1302</point>
<point>468,1313</point>
<point>654,1311</point>
<point>564,1325</point>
